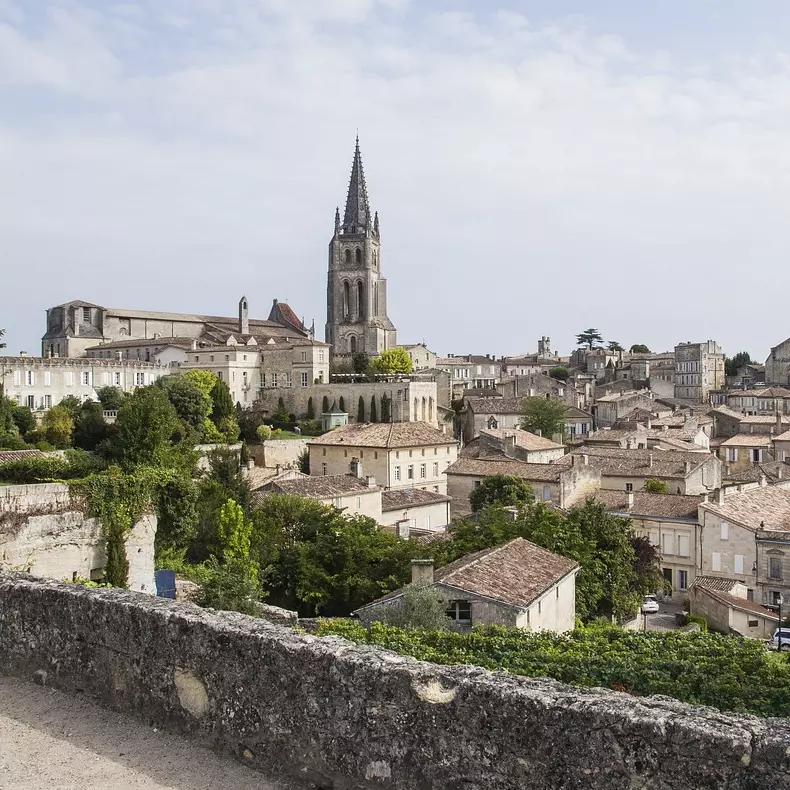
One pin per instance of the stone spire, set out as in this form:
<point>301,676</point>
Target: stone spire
<point>337,220</point>
<point>376,231</point>
<point>357,214</point>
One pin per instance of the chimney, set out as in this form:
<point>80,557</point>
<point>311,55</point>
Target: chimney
<point>650,461</point>
<point>664,427</point>
<point>630,497</point>
<point>23,353</point>
<point>251,463</point>
<point>370,480</point>
<point>720,496</point>
<point>194,345</point>
<point>422,571</point>
<point>649,424</point>
<point>510,444</point>
<point>244,320</point>
<point>687,468</point>
<point>585,459</point>
<point>356,468</point>
<point>706,497</point>
<point>763,481</point>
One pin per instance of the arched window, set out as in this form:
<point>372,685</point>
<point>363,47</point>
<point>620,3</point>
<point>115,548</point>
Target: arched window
<point>353,345</point>
<point>424,403</point>
<point>492,423</point>
<point>376,298</point>
<point>359,255</point>
<point>348,256</point>
<point>346,299</point>
<point>360,299</point>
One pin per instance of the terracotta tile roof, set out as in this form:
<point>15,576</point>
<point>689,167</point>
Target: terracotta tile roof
<point>525,439</point>
<point>18,455</point>
<point>740,603</point>
<point>281,313</point>
<point>774,471</point>
<point>647,504</point>
<point>609,435</point>
<point>494,405</point>
<point>679,444</point>
<point>323,487</point>
<point>384,435</point>
<point>578,414</point>
<point>783,437</point>
<point>769,506</point>
<point>715,583</point>
<point>410,497</point>
<point>614,461</point>
<point>515,574</point>
<point>748,440</point>
<point>477,467</point>
<point>762,392</point>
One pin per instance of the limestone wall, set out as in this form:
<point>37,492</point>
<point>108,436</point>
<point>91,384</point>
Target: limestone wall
<point>44,532</point>
<point>284,453</point>
<point>357,718</point>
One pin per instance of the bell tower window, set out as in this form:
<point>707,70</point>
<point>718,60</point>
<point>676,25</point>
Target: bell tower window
<point>358,255</point>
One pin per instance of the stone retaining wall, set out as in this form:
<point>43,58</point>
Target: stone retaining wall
<point>347,717</point>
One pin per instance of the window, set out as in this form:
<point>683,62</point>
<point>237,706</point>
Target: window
<point>757,456</point>
<point>546,493</point>
<point>86,378</point>
<point>323,469</point>
<point>263,379</point>
<point>775,597</point>
<point>436,469</point>
<point>323,451</point>
<point>304,356</point>
<point>219,375</point>
<point>775,567</point>
<point>31,401</point>
<point>286,379</point>
<point>423,472</point>
<point>274,379</point>
<point>211,358</point>
<point>397,453</point>
<point>732,453</point>
<point>715,562</point>
<point>47,401</point>
<point>476,484</point>
<point>683,580</point>
<point>460,612</point>
<point>738,560</point>
<point>668,543</point>
<point>410,453</point>
<point>320,356</point>
<point>117,379</point>
<point>197,359</point>
<point>397,473</point>
<point>410,472</point>
<point>423,451</point>
<point>227,357</point>
<point>629,486</point>
<point>139,379</point>
<point>683,545</point>
<point>305,379</point>
<point>725,530</point>
<point>86,314</point>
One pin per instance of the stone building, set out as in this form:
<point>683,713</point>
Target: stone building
<point>75,326</point>
<point>608,409</point>
<point>471,371</point>
<point>725,605</point>
<point>422,358</point>
<point>357,319</point>
<point>399,455</point>
<point>42,382</point>
<point>761,400</point>
<point>777,366</point>
<point>513,443</point>
<point>518,584</point>
<point>699,368</point>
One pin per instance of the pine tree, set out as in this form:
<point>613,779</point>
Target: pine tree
<point>361,410</point>
<point>373,414</point>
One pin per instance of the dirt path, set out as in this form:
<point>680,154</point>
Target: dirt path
<point>52,741</point>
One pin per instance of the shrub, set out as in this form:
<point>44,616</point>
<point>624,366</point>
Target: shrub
<point>263,432</point>
<point>75,466</point>
<point>419,607</point>
<point>654,485</point>
<point>697,620</point>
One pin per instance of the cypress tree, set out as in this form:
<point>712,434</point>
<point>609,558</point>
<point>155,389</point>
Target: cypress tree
<point>342,403</point>
<point>325,405</point>
<point>386,408</point>
<point>361,410</point>
<point>373,414</point>
<point>310,409</point>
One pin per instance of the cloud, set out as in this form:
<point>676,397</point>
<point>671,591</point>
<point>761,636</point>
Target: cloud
<point>531,178</point>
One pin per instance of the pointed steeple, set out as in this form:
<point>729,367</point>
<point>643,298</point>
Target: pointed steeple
<point>337,220</point>
<point>357,215</point>
<point>376,231</point>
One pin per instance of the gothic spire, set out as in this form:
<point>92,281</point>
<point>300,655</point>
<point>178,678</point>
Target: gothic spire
<point>357,214</point>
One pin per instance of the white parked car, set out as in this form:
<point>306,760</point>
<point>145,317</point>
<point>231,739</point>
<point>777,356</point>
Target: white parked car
<point>785,634</point>
<point>649,604</point>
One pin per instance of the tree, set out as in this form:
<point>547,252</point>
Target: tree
<point>57,426</point>
<point>360,362</point>
<point>304,461</point>
<point>392,361</point>
<point>590,338</point>
<point>264,432</point>
<point>2,334</point>
<point>654,485</point>
<point>504,490</point>
<point>613,345</point>
<point>325,405</point>
<point>204,379</point>
<point>361,410</point>
<point>544,415</point>
<point>639,348</point>
<point>731,364</point>
<point>24,419</point>
<point>386,408</point>
<point>373,412</point>
<point>420,606</point>
<point>310,409</point>
<point>146,423</point>
<point>341,404</point>
<point>560,372</point>
<point>111,398</point>
<point>190,401</point>
<point>222,401</point>
<point>90,427</point>
<point>72,404</point>
<point>280,417</point>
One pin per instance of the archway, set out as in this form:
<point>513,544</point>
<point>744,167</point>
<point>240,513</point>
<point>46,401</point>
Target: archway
<point>360,299</point>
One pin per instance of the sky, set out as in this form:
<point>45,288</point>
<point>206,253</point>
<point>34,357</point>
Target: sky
<point>539,166</point>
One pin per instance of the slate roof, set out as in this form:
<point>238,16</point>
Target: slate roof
<point>323,487</point>
<point>477,467</point>
<point>514,574</point>
<point>494,405</point>
<point>768,506</point>
<point>410,497</point>
<point>185,342</point>
<point>647,504</point>
<point>384,435</point>
<point>18,455</point>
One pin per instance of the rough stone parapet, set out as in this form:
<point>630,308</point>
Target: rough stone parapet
<point>351,717</point>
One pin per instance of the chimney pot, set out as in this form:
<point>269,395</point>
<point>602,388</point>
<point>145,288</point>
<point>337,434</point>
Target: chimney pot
<point>650,460</point>
<point>585,459</point>
<point>356,468</point>
<point>371,481</point>
<point>763,481</point>
<point>720,496</point>
<point>422,571</point>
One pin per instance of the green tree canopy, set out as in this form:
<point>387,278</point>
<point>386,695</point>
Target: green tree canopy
<point>544,415</point>
<point>392,361</point>
<point>111,398</point>
<point>72,404</point>
<point>639,348</point>
<point>504,490</point>
<point>146,423</point>
<point>90,427</point>
<point>361,409</point>
<point>560,372</point>
<point>590,338</point>
<point>373,409</point>
<point>24,419</point>
<point>57,426</point>
<point>204,379</point>
<point>731,364</point>
<point>613,345</point>
<point>654,485</point>
<point>223,402</point>
<point>310,408</point>
<point>2,334</point>
<point>190,401</point>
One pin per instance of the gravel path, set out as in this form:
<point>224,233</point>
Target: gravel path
<point>54,741</point>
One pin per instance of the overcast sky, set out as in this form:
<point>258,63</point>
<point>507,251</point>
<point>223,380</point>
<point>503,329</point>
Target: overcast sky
<point>539,166</point>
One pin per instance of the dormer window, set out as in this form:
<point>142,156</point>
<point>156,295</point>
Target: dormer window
<point>86,314</point>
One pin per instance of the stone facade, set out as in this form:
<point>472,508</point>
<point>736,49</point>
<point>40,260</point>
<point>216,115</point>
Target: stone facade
<point>699,368</point>
<point>777,366</point>
<point>422,358</point>
<point>339,715</point>
<point>42,382</point>
<point>357,320</point>
<point>45,533</point>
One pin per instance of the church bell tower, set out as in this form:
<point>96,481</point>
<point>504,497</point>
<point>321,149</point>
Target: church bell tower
<point>357,320</point>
